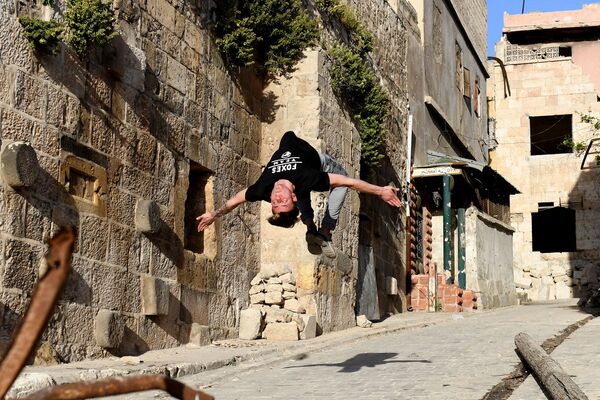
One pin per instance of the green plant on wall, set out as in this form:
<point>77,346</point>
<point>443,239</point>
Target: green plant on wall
<point>357,85</point>
<point>42,35</point>
<point>88,22</point>
<point>270,35</point>
<point>580,147</point>
<point>360,37</point>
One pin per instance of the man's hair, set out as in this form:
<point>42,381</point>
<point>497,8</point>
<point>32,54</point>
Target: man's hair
<point>285,219</point>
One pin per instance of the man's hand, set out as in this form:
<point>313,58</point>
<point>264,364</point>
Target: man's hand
<point>388,194</point>
<point>206,220</point>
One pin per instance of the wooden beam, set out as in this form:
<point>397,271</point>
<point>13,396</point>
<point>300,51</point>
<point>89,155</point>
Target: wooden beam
<point>551,377</point>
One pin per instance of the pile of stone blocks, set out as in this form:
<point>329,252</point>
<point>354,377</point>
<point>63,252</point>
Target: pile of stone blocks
<point>275,312</point>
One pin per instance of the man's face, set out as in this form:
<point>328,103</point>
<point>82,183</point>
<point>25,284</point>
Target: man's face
<point>283,198</point>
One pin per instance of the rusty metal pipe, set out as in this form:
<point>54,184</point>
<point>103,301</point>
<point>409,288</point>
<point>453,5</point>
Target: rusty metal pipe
<point>119,385</point>
<point>43,299</point>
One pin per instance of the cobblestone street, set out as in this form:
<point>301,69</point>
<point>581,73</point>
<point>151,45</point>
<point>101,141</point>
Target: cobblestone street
<point>462,358</point>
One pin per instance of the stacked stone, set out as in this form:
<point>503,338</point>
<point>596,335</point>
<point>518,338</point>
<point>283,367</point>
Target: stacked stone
<point>557,281</point>
<point>275,312</point>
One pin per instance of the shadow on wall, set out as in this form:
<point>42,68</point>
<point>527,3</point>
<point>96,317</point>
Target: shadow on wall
<point>364,360</point>
<point>584,223</point>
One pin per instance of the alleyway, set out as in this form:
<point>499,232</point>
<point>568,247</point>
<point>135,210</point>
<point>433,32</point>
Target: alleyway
<point>460,359</point>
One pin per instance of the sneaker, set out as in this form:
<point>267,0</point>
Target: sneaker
<point>313,242</point>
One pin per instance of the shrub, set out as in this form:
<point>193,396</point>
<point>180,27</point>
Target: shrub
<point>42,35</point>
<point>268,34</point>
<point>357,85</point>
<point>88,22</point>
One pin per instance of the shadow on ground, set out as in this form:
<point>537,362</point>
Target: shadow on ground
<point>368,360</point>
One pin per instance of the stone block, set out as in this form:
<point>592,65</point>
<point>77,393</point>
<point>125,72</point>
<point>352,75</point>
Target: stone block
<point>274,288</point>
<point>250,324</point>
<point>256,289</point>
<point>310,327</point>
<point>274,281</point>
<point>108,329</point>
<point>294,305</point>
<point>289,295</point>
<point>199,335</point>
<point>19,164</point>
<point>281,331</point>
<point>147,216</point>
<point>288,287</point>
<point>257,298</point>
<point>155,296</point>
<point>273,298</point>
<point>256,280</point>
<point>288,278</point>
<point>272,270</point>
<point>277,315</point>
<point>391,285</point>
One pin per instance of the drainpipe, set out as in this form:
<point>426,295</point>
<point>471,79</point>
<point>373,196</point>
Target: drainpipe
<point>462,243</point>
<point>447,182</point>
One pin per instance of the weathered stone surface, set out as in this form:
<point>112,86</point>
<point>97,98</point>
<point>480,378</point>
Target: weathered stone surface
<point>199,334</point>
<point>281,331</point>
<point>257,298</point>
<point>256,289</point>
<point>274,270</point>
<point>289,295</point>
<point>288,278</point>
<point>19,164</point>
<point>288,287</point>
<point>294,305</point>
<point>250,324</point>
<point>310,327</point>
<point>256,280</point>
<point>274,281</point>
<point>274,288</point>
<point>273,298</point>
<point>391,284</point>
<point>147,216</point>
<point>108,329</point>
<point>155,296</point>
<point>28,383</point>
<point>278,315</point>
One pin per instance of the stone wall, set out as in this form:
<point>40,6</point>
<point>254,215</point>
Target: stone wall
<point>489,260</point>
<point>473,16</point>
<point>154,116</point>
<point>557,86</point>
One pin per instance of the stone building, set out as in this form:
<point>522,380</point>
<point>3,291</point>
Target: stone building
<point>551,79</point>
<point>145,134</point>
<point>459,205</point>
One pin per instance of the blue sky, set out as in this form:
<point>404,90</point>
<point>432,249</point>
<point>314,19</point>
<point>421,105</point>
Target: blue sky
<point>496,9</point>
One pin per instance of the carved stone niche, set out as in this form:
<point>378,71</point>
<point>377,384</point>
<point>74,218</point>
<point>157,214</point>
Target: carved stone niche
<point>87,184</point>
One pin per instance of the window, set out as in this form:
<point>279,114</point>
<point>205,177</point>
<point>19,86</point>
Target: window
<point>459,68</point>
<point>564,51</point>
<point>549,133</point>
<point>476,97</point>
<point>195,205</point>
<point>553,230</point>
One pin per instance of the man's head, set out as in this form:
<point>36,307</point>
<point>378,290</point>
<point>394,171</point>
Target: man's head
<point>283,204</point>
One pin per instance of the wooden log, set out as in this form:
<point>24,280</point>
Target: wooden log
<point>551,377</point>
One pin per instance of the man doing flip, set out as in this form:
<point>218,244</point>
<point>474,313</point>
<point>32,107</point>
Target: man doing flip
<point>294,170</point>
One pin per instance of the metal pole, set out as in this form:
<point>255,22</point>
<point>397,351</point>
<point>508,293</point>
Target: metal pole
<point>462,279</point>
<point>446,199</point>
<point>523,7</point>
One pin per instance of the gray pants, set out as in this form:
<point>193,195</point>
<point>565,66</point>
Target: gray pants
<point>336,195</point>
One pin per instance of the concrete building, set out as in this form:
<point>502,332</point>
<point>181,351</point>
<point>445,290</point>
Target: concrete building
<point>552,78</point>
<point>138,139</point>
<point>452,186</point>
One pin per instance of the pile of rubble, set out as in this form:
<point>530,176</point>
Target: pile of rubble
<point>275,312</point>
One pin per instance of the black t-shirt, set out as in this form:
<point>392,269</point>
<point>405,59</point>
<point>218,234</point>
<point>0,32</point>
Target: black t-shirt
<point>296,161</point>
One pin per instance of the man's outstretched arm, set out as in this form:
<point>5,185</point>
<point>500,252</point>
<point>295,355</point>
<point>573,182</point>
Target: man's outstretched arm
<point>386,193</point>
<point>206,219</point>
